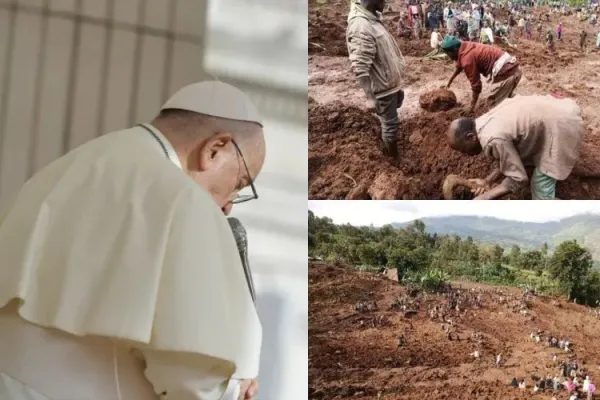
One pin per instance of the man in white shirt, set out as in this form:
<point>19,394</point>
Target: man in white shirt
<point>446,11</point>
<point>121,278</point>
<point>521,26</point>
<point>436,39</point>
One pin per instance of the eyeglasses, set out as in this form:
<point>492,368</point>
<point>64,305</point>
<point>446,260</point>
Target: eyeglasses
<point>242,198</point>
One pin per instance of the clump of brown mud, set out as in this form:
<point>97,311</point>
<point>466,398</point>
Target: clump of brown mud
<point>325,36</point>
<point>413,47</point>
<point>345,160</point>
<point>438,100</point>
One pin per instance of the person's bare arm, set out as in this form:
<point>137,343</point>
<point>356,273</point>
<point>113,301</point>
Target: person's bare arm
<point>474,76</point>
<point>474,99</point>
<point>494,193</point>
<point>509,165</point>
<point>457,71</point>
<point>491,178</point>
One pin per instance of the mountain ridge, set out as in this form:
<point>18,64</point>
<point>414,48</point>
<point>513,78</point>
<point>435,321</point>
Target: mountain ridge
<point>585,228</point>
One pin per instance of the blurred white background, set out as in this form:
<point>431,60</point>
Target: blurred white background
<point>261,46</point>
<point>71,70</point>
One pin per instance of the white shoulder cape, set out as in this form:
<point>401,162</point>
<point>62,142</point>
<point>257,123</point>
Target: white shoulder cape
<point>114,240</point>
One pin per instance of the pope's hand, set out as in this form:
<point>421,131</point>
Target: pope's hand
<point>248,389</point>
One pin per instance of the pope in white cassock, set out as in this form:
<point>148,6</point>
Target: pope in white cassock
<point>120,278</point>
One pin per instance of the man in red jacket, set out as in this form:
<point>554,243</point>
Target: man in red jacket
<point>476,59</point>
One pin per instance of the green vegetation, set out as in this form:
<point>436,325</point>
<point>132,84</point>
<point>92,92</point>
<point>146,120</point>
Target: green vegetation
<point>430,260</point>
<point>528,235</point>
<point>577,3</point>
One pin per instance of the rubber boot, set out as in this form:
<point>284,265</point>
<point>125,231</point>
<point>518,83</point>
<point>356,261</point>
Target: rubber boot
<point>390,148</point>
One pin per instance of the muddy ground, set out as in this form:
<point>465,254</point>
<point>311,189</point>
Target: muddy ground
<point>344,157</point>
<point>354,354</point>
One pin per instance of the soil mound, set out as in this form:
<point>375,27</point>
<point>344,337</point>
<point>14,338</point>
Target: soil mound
<point>534,54</point>
<point>325,36</point>
<point>413,47</point>
<point>438,100</point>
<point>388,186</point>
<point>345,159</point>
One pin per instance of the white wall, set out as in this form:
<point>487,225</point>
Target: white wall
<point>261,46</point>
<point>71,70</point>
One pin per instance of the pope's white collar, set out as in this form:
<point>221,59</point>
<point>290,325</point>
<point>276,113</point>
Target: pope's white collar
<point>172,154</point>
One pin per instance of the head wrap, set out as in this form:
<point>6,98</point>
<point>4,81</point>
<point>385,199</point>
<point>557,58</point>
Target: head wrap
<point>450,42</point>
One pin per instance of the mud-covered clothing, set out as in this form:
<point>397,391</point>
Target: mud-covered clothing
<point>373,51</point>
<point>387,111</point>
<point>504,86</point>
<point>540,131</point>
<point>477,59</point>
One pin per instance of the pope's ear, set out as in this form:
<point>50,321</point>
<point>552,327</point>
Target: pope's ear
<point>215,151</point>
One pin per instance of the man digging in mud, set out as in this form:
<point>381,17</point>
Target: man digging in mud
<point>476,59</point>
<point>378,63</point>
<point>541,131</point>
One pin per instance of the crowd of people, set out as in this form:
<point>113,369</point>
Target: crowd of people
<point>485,22</point>
<point>572,378</point>
<point>452,305</point>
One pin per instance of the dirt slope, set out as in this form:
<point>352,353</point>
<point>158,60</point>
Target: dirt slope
<point>353,354</point>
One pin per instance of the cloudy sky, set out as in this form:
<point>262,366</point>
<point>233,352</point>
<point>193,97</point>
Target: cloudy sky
<point>381,212</point>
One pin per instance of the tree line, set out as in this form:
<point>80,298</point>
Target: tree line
<point>419,256</point>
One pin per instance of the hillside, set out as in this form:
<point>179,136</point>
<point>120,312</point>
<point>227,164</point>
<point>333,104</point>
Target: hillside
<point>583,228</point>
<point>353,349</point>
